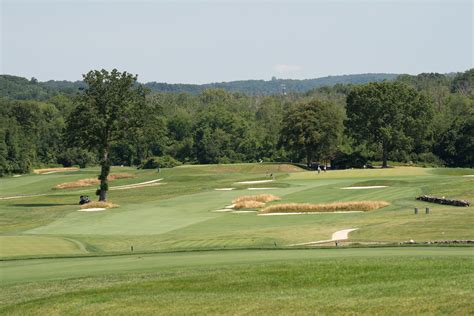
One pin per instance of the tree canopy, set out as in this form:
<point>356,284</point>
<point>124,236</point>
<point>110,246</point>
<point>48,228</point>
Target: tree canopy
<point>110,107</point>
<point>392,116</point>
<point>314,128</point>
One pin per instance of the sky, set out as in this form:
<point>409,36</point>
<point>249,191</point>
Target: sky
<point>213,41</point>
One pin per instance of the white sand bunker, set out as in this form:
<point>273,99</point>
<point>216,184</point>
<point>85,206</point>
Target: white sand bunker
<point>228,208</point>
<point>261,188</point>
<point>337,236</point>
<point>238,212</point>
<point>309,213</point>
<point>231,210</point>
<point>468,176</point>
<point>256,181</point>
<point>16,175</point>
<point>95,209</point>
<point>224,189</point>
<point>137,185</point>
<point>365,188</point>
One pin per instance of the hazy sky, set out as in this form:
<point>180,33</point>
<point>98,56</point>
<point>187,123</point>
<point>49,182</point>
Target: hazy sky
<point>213,41</point>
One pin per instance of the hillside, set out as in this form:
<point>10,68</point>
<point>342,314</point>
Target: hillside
<point>20,88</point>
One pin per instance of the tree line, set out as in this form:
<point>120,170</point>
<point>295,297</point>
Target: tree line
<point>426,118</point>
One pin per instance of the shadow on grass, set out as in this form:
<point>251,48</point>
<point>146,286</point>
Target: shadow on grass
<point>42,204</point>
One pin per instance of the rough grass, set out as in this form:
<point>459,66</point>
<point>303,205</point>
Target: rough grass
<point>248,204</point>
<point>91,181</point>
<point>264,198</point>
<point>98,204</point>
<point>253,201</point>
<point>42,171</point>
<point>331,207</point>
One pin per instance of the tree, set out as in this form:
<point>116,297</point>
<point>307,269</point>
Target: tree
<point>105,112</point>
<point>390,115</point>
<point>314,127</point>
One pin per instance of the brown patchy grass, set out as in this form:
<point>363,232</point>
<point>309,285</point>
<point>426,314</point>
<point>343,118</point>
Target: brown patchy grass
<point>263,198</point>
<point>91,181</point>
<point>96,204</point>
<point>45,170</point>
<point>248,204</point>
<point>331,207</point>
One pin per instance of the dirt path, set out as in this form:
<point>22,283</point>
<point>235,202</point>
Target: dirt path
<point>337,236</point>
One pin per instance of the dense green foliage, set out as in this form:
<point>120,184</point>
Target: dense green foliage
<point>217,126</point>
<point>313,128</point>
<point>110,107</point>
<point>161,162</point>
<point>390,116</point>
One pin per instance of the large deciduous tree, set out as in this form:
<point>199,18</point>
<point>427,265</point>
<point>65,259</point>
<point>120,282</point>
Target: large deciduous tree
<point>112,105</point>
<point>390,115</point>
<point>313,127</point>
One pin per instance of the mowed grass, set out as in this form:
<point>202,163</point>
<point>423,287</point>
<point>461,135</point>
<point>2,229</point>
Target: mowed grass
<point>332,281</point>
<point>178,214</point>
<point>35,245</point>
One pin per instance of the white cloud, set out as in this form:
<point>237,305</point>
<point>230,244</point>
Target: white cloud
<point>284,69</point>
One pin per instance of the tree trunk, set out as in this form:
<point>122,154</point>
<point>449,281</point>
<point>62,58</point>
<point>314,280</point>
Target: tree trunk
<point>104,173</point>
<point>384,157</point>
<point>309,158</point>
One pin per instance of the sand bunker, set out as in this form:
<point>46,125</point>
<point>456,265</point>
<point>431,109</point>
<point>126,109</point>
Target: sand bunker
<point>254,182</point>
<point>261,188</point>
<point>54,170</point>
<point>237,212</point>
<point>228,210</point>
<point>337,236</point>
<point>137,185</point>
<point>309,213</point>
<point>16,175</point>
<point>469,175</point>
<point>365,188</point>
<point>224,189</point>
<point>95,209</point>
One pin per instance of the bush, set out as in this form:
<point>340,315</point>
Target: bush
<point>77,156</point>
<point>163,162</point>
<point>346,161</point>
<point>429,159</point>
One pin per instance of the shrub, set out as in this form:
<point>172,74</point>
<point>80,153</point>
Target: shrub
<point>163,162</point>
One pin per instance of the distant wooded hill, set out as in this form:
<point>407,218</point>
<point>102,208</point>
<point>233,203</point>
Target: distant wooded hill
<point>20,88</point>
